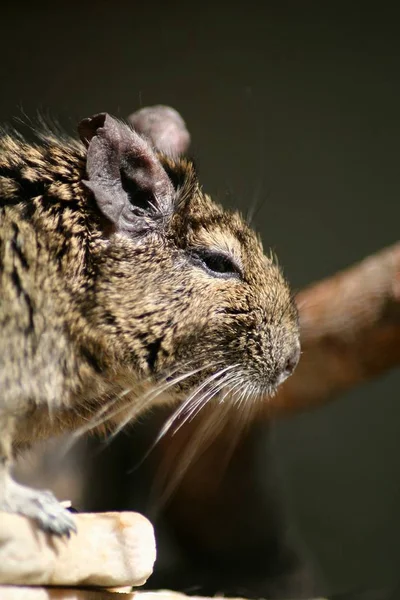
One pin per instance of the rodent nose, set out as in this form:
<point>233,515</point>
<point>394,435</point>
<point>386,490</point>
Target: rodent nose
<point>290,363</point>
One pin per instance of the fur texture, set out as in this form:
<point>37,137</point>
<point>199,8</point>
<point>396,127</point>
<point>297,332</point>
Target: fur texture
<point>98,323</point>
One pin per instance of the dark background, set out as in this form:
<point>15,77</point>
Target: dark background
<point>295,106</point>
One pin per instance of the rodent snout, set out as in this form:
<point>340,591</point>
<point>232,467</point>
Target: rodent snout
<point>290,362</point>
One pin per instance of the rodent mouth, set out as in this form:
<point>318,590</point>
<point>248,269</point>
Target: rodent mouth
<point>196,384</point>
<point>231,383</point>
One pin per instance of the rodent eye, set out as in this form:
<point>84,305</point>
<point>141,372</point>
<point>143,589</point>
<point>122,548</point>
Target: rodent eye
<point>217,262</point>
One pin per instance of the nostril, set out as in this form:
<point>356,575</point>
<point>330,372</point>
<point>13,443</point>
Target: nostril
<point>292,360</point>
<point>286,366</point>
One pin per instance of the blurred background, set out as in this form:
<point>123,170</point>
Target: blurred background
<point>294,106</point>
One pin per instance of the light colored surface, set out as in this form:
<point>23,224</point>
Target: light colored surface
<point>19,593</point>
<point>40,593</point>
<point>109,550</point>
<point>170,595</point>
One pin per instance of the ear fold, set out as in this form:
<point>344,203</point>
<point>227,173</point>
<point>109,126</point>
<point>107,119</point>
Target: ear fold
<point>129,184</point>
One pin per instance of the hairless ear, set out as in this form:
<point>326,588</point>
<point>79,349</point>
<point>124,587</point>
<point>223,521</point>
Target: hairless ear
<point>164,127</point>
<point>129,184</point>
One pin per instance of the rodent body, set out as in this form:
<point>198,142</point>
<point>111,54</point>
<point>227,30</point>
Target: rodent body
<point>119,276</point>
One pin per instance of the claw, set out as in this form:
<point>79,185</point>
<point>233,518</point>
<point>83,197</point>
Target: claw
<point>42,506</point>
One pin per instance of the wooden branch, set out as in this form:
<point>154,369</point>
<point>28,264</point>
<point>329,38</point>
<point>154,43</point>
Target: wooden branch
<point>350,332</point>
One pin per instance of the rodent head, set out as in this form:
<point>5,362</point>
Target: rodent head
<point>182,285</point>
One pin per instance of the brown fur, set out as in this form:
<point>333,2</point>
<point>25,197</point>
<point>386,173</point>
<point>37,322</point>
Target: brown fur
<point>91,320</point>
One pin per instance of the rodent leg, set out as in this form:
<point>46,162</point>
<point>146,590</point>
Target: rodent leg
<point>40,505</point>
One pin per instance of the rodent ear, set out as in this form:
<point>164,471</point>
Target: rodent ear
<point>164,127</point>
<point>129,184</point>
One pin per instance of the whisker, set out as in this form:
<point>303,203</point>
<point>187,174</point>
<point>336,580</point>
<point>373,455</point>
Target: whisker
<point>181,410</point>
<point>199,404</point>
<point>208,428</point>
<point>259,199</point>
<point>165,483</point>
<point>150,396</point>
<point>164,385</point>
<point>102,415</point>
<point>195,404</point>
<point>176,413</point>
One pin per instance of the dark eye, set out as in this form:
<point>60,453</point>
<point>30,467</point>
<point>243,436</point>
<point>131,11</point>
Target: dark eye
<point>217,262</point>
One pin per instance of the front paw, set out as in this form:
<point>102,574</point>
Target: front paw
<point>40,505</point>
